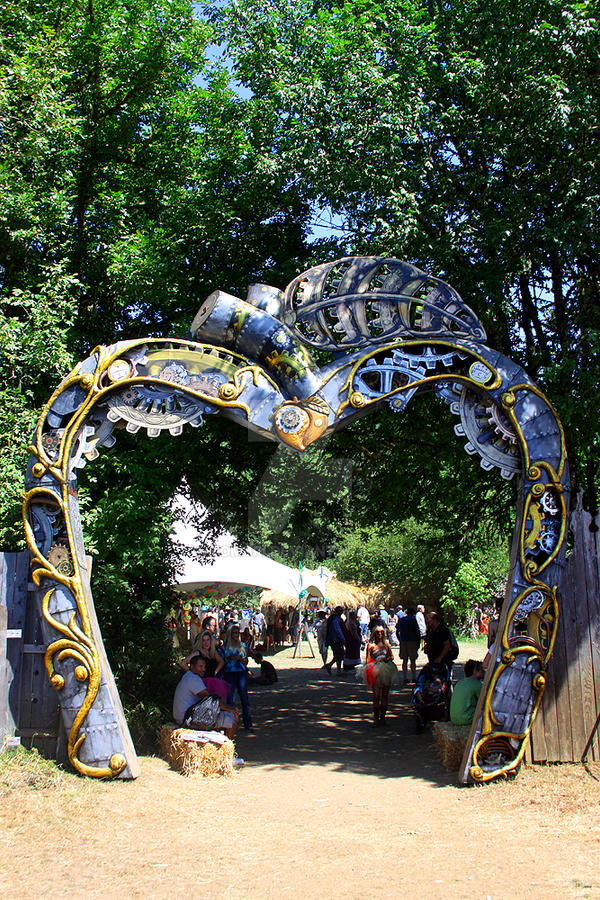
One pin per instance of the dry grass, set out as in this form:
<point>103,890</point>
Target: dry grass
<point>306,787</point>
<point>191,758</point>
<point>21,769</point>
<point>561,790</point>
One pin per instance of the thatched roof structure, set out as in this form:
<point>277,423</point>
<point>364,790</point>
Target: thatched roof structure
<point>339,593</point>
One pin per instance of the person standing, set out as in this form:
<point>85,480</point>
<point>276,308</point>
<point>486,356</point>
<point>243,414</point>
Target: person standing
<point>335,639</point>
<point>235,671</point>
<point>364,618</point>
<point>352,642</point>
<point>320,631</point>
<point>438,641</point>
<point>391,628</point>
<point>259,625</point>
<point>420,617</point>
<point>409,638</point>
<point>294,620</point>
<point>379,671</point>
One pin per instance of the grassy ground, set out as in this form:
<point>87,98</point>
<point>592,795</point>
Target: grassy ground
<point>472,648</point>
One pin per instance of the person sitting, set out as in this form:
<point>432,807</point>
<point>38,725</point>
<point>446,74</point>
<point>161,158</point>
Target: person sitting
<point>195,707</point>
<point>430,695</point>
<point>214,683</point>
<point>466,693</point>
<point>248,639</point>
<point>209,623</point>
<point>268,673</point>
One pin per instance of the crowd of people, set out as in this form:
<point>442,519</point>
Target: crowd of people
<point>224,641</point>
<point>218,668</point>
<point>408,632</point>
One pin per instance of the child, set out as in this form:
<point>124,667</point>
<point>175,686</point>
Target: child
<point>268,673</point>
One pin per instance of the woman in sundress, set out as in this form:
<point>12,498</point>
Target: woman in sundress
<point>379,672</point>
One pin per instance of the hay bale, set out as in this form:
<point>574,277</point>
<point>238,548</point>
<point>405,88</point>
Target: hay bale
<point>192,758</point>
<point>450,742</point>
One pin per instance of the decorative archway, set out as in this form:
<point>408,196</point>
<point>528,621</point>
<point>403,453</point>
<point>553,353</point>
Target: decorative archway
<point>391,332</point>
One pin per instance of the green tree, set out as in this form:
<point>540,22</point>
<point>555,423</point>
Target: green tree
<point>461,137</point>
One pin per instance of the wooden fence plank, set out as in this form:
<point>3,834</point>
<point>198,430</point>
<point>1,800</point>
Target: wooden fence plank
<point>3,678</point>
<point>564,742</point>
<point>32,704</point>
<point>592,571</point>
<point>550,750</point>
<point>14,598</point>
<point>571,701</point>
<point>584,716</point>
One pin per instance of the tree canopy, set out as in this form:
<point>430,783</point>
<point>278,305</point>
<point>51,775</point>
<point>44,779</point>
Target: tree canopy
<point>155,151</point>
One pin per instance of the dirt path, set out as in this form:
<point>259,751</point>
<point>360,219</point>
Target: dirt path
<point>324,807</point>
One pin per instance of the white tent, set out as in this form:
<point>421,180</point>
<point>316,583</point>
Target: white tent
<point>234,570</point>
<point>231,573</point>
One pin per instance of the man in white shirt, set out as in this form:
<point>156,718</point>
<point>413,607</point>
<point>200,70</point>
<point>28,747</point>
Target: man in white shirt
<point>364,617</point>
<point>191,692</point>
<point>420,617</point>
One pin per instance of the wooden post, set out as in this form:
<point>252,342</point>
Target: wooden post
<point>567,727</point>
<point>13,597</point>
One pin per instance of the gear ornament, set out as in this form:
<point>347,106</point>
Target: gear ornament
<point>385,332</point>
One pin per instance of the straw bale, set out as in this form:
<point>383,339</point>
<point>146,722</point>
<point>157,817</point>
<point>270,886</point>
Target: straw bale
<point>191,758</point>
<point>450,741</point>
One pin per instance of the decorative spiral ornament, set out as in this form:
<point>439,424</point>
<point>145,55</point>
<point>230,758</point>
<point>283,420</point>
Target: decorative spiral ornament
<point>228,391</point>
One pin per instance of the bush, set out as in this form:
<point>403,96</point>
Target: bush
<point>413,556</point>
<point>461,592</point>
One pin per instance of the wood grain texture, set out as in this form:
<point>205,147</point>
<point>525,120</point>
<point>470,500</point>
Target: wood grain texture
<point>571,702</point>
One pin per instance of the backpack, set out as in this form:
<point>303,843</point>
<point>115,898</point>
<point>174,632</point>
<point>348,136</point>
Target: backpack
<point>204,713</point>
<point>454,651</point>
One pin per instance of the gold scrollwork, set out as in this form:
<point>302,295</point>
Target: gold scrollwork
<point>357,400</point>
<point>494,382</point>
<point>76,643</point>
<point>229,391</point>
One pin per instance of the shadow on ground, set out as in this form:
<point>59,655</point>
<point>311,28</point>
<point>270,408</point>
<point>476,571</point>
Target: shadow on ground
<point>312,718</point>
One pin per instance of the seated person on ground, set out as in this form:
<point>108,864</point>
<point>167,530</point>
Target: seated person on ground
<point>195,707</point>
<point>268,673</point>
<point>430,695</point>
<point>466,693</point>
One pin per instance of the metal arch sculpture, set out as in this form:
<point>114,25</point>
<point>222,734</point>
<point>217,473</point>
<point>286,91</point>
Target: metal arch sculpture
<point>392,332</point>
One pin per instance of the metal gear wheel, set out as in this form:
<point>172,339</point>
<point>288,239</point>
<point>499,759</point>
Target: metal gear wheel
<point>488,431</point>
